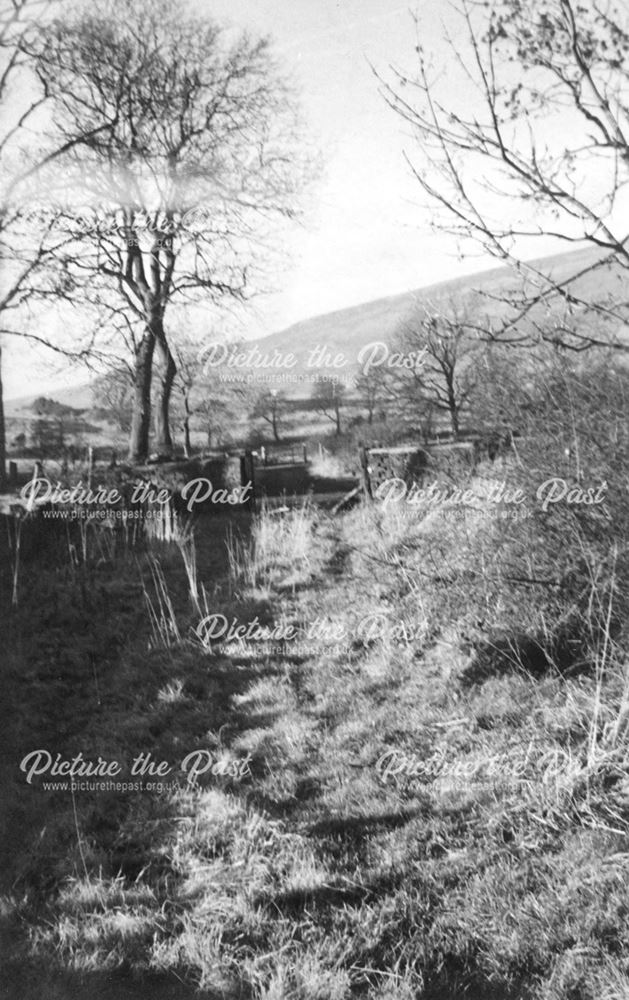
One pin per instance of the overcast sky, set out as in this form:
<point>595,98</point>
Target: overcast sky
<point>366,235</point>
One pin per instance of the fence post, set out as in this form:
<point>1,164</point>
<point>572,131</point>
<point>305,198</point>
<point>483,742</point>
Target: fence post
<point>90,466</point>
<point>364,463</point>
<point>38,473</point>
<point>247,475</point>
<point>12,473</point>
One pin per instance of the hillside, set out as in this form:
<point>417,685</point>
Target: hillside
<point>79,397</point>
<point>348,330</point>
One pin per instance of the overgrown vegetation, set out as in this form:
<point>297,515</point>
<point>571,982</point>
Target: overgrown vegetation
<point>421,787</point>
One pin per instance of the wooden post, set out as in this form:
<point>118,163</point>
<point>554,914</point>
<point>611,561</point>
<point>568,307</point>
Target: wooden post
<point>13,474</point>
<point>247,475</point>
<point>305,454</point>
<point>38,472</point>
<point>90,466</point>
<point>364,463</point>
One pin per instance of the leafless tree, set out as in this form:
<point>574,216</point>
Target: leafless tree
<point>442,339</point>
<point>329,398</point>
<point>271,406</point>
<point>188,370</point>
<point>194,165</point>
<point>203,396</point>
<point>26,242</point>
<point>113,392</point>
<point>533,143</point>
<point>374,388</point>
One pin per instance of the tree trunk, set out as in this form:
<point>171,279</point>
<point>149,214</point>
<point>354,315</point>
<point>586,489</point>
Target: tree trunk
<point>141,419</point>
<point>454,409</point>
<point>454,421</point>
<point>163,439</point>
<point>3,440</point>
<point>187,446</point>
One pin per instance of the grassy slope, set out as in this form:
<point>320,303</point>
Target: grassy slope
<point>314,878</point>
<point>347,330</point>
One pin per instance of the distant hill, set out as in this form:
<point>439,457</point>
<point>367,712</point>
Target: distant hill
<point>78,397</point>
<point>348,330</point>
<point>44,406</point>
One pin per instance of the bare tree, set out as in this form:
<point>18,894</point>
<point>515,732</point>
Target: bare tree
<point>185,382</point>
<point>270,406</point>
<point>443,337</point>
<point>25,245</point>
<point>328,399</point>
<point>195,163</point>
<point>375,389</point>
<point>113,392</point>
<point>536,146</point>
<point>203,396</point>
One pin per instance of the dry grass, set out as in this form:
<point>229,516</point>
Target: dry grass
<point>489,862</point>
<point>281,546</point>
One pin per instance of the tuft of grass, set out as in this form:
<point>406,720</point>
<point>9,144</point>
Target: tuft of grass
<point>162,616</point>
<point>280,551</point>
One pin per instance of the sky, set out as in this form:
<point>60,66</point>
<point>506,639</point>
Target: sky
<point>365,234</point>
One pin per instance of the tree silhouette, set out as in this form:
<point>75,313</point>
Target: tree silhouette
<point>534,143</point>
<point>195,163</point>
